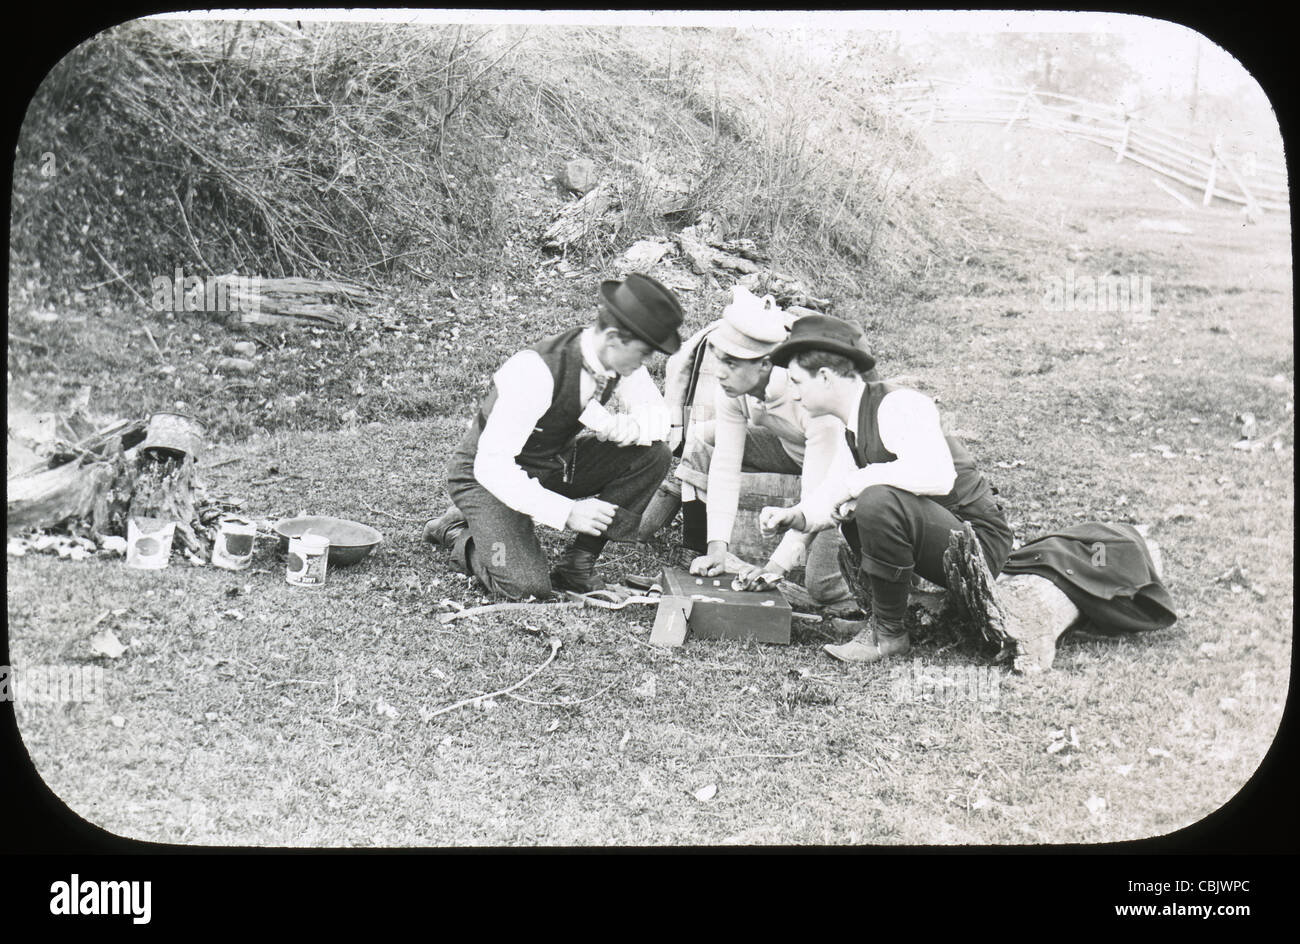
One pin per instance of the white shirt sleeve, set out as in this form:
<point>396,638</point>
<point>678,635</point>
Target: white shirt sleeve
<point>641,399</point>
<point>524,390</point>
<point>729,431</point>
<point>826,455</point>
<point>909,427</point>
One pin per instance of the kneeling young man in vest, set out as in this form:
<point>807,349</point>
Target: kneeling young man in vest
<point>912,485</point>
<point>530,454</point>
<point>758,427</point>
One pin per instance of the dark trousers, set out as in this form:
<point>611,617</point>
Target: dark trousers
<point>500,546</point>
<point>897,533</point>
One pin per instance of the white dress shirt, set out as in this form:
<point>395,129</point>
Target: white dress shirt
<point>908,423</point>
<point>525,389</point>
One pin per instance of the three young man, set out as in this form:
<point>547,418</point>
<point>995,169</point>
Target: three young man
<point>757,427</point>
<point>541,448</point>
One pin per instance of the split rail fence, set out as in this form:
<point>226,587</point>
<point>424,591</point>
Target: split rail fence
<point>1204,164</point>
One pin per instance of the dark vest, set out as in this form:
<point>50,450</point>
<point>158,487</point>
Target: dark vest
<point>556,430</point>
<point>970,485</point>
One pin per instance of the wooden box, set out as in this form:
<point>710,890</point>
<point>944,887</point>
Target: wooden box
<point>718,612</point>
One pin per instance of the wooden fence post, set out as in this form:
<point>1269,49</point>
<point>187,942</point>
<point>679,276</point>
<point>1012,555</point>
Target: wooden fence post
<point>1253,209</point>
<point>1123,142</point>
<point>1020,110</point>
<point>1209,182</point>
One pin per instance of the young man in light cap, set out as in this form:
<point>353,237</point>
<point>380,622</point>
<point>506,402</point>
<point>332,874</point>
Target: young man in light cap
<point>544,448</point>
<point>912,486</point>
<point>757,427</point>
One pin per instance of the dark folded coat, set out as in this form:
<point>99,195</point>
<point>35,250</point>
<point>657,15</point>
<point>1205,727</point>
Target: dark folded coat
<point>1105,570</point>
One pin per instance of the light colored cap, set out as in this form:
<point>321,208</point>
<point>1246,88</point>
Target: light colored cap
<point>751,327</point>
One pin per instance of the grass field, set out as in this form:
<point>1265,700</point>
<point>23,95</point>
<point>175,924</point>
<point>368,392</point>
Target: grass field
<point>246,711</point>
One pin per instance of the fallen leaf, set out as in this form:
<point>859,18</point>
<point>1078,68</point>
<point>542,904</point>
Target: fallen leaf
<point>647,688</point>
<point>705,794</point>
<point>1228,704</point>
<point>1124,769</point>
<point>106,643</point>
<point>1158,752</point>
<point>117,721</point>
<point>1095,805</point>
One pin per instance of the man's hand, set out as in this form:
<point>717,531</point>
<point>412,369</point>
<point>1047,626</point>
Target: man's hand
<point>591,516</point>
<point>750,576</point>
<point>712,563</point>
<point>621,431</point>
<point>844,511</point>
<point>771,520</point>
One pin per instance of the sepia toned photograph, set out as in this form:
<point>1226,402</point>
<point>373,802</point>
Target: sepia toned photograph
<point>515,430</point>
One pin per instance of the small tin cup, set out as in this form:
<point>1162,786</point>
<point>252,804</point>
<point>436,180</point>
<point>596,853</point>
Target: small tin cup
<point>307,561</point>
<point>233,548</point>
<point>149,542</point>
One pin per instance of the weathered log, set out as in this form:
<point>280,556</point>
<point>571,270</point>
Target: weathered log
<point>1025,614</point>
<point>48,498</point>
<point>312,302</point>
<point>704,258</point>
<point>971,584</point>
<point>579,219</point>
<point>1036,613</point>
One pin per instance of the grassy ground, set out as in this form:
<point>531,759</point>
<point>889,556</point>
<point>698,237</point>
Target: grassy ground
<point>252,712</point>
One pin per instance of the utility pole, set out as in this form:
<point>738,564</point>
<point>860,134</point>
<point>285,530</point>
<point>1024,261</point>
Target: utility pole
<point>1196,81</point>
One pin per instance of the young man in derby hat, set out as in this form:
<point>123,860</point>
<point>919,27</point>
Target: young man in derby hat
<point>912,485</point>
<point>530,455</point>
<point>757,427</point>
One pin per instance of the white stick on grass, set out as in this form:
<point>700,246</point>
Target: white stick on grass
<point>555,648</point>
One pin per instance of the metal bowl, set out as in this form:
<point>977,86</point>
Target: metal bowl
<point>350,541</point>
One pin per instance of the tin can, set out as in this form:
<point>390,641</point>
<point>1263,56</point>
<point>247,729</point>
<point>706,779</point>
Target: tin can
<point>177,434</point>
<point>149,542</point>
<point>233,548</point>
<point>307,561</point>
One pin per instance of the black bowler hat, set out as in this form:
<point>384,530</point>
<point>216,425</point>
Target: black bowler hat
<point>824,333</point>
<point>647,308</point>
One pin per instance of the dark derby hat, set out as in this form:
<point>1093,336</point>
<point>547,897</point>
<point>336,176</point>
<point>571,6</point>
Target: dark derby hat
<point>824,333</point>
<point>646,308</point>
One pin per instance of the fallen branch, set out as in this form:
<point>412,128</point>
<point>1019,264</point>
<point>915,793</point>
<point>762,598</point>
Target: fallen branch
<point>446,618</point>
<point>149,334</point>
<point>563,704</point>
<point>380,511</point>
<point>555,648</point>
<point>737,756</point>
